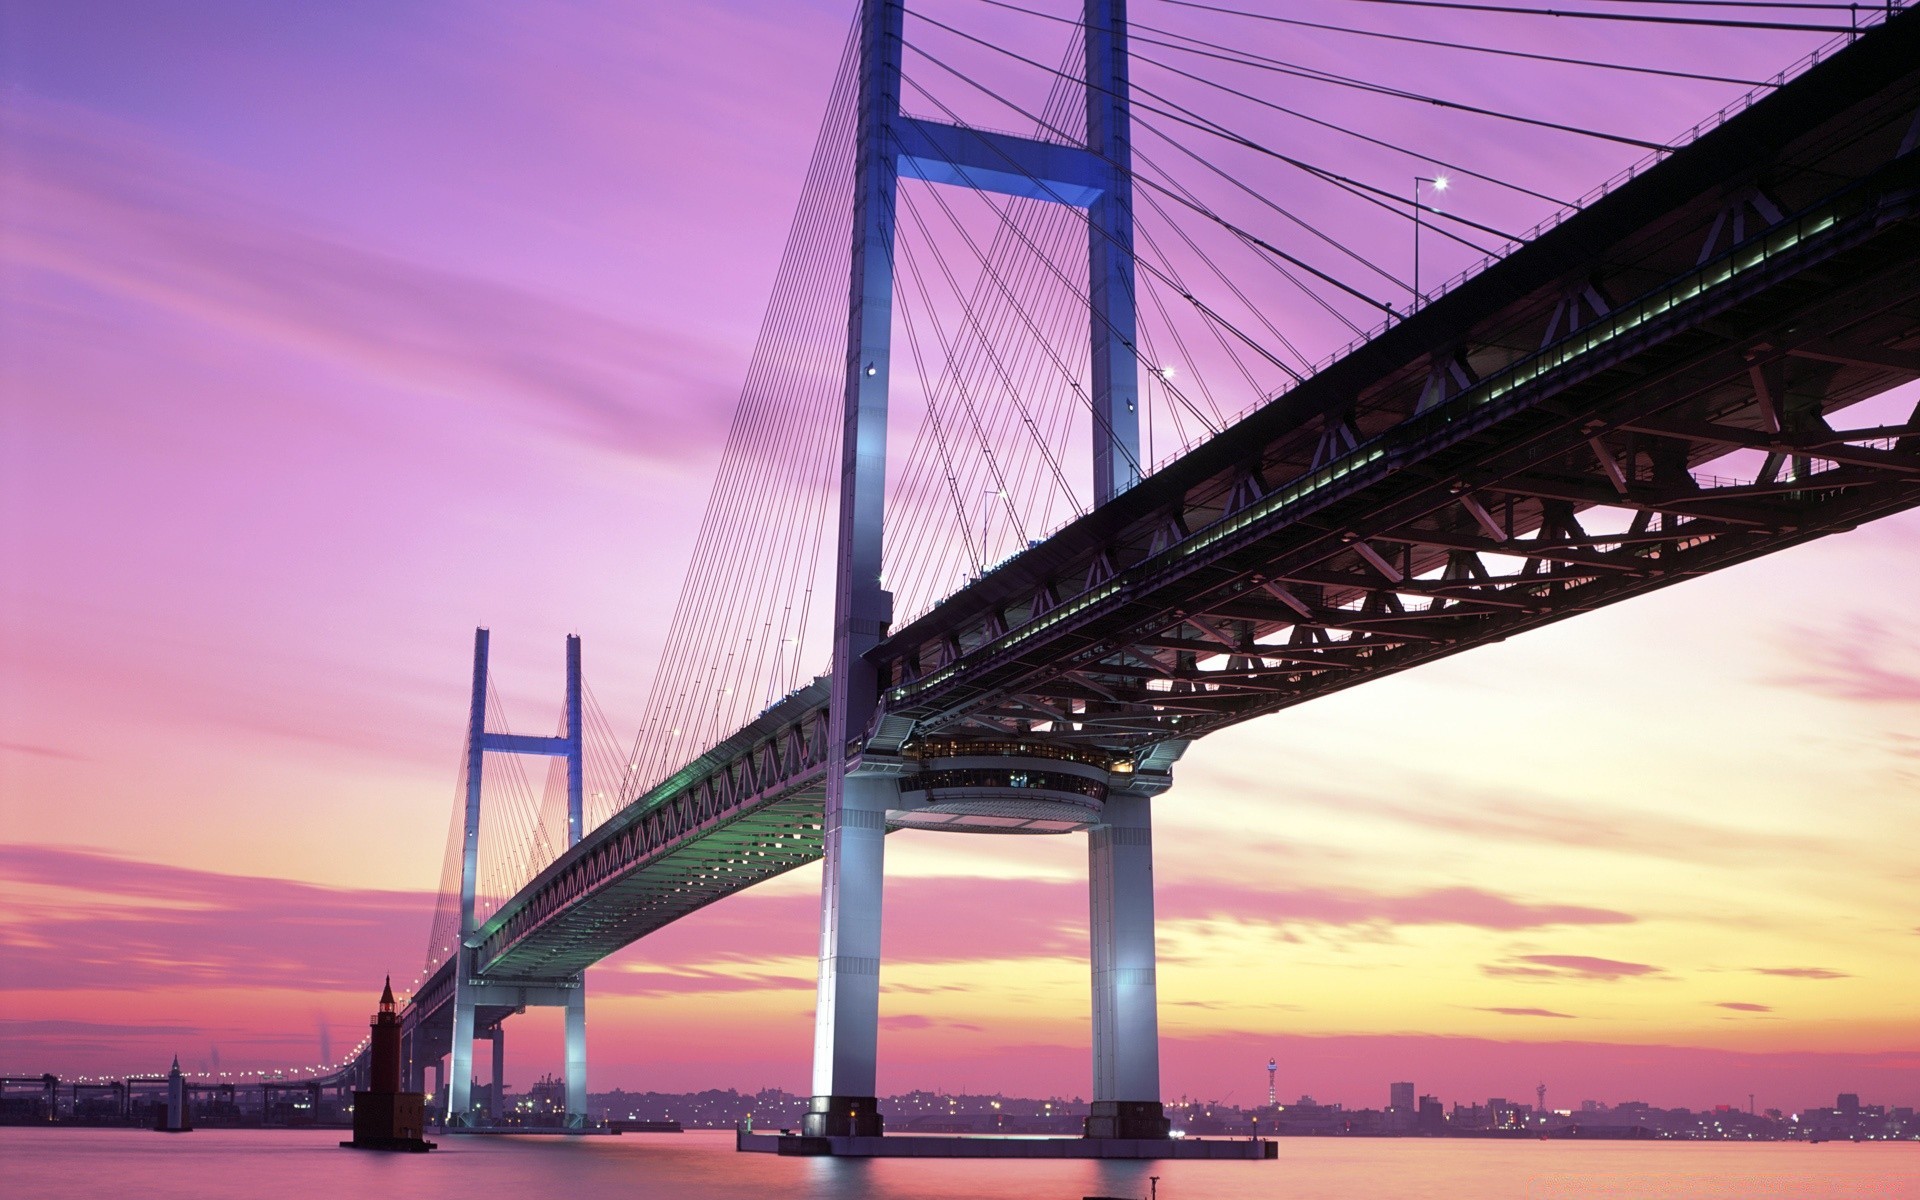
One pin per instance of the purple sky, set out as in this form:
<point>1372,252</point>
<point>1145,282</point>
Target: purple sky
<point>331,331</point>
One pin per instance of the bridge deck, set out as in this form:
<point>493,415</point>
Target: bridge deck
<point>1525,448</point>
<point>1425,494</point>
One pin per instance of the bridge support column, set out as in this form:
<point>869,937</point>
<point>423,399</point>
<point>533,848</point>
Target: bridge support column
<point>459,1090</point>
<point>1126,1018</point>
<point>577,1056</point>
<point>496,1098</point>
<point>847,1015</point>
<point>1110,291</point>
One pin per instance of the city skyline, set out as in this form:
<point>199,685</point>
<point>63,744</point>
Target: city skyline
<point>315,387</point>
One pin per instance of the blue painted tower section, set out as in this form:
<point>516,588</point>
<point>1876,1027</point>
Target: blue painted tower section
<point>890,146</point>
<point>576,1020</point>
<point>459,1092</point>
<point>847,1012</point>
<point>468,987</point>
<point>1110,292</point>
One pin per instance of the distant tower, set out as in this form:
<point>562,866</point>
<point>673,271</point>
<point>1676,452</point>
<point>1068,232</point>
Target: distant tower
<point>1400,1098</point>
<point>175,1118</point>
<point>384,1117</point>
<point>1540,1101</point>
<point>1273,1065</point>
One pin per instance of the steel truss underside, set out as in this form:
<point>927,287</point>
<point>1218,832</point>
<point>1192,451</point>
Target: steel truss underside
<point>1528,447</point>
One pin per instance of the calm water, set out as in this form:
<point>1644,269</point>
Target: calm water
<point>208,1164</point>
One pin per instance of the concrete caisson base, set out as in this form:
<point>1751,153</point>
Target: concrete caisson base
<point>911,1146</point>
<point>529,1131</point>
<point>1128,1120</point>
<point>843,1116</point>
<point>394,1144</point>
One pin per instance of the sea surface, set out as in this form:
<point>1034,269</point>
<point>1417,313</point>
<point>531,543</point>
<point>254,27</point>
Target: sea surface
<point>218,1164</point>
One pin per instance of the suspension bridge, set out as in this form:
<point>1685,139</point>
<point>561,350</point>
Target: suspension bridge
<point>1032,617</point>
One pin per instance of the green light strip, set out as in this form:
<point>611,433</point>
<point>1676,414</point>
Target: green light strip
<point>1688,288</point>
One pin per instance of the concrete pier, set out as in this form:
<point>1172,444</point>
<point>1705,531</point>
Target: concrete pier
<point>932,1146</point>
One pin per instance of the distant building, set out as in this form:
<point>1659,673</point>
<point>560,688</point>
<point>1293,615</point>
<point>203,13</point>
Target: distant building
<point>1400,1107</point>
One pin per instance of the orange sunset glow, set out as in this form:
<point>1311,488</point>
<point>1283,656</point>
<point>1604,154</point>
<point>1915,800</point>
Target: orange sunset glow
<point>443,329</point>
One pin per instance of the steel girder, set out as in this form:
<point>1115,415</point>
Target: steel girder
<point>1501,471</point>
<point>743,812</point>
<point>1526,447</point>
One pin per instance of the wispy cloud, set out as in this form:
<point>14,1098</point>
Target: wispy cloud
<point>1527,1012</point>
<point>1474,907</point>
<point>121,925</point>
<point>106,209</point>
<point>1664,1074</point>
<point>1570,966</point>
<point>1541,819</point>
<point>636,980</point>
<point>1035,918</point>
<point>1743,1006</point>
<point>1866,660</point>
<point>33,751</point>
<point>96,1031</point>
<point>917,1021</point>
<point>1801,972</point>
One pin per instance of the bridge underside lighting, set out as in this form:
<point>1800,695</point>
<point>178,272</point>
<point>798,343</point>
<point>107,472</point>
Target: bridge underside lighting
<point>986,816</point>
<point>985,793</point>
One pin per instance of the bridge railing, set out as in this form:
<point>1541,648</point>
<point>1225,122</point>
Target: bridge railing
<point>1792,229</point>
<point>1848,208</point>
<point>1746,100</point>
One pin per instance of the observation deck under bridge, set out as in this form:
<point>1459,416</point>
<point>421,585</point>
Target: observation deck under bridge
<point>1527,447</point>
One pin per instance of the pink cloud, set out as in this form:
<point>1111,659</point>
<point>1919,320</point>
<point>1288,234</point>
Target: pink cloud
<point>1743,1006</point>
<point>1046,918</point>
<point>144,925</point>
<point>917,1021</point>
<point>1864,660</point>
<point>1802,972</point>
<point>40,751</point>
<point>1527,1012</point>
<point>1474,907</point>
<point>1355,1069</point>
<point>1571,966</point>
<point>100,208</point>
<point>688,980</point>
<point>1543,819</point>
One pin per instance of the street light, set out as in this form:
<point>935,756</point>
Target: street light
<point>986,511</point>
<point>1440,184</point>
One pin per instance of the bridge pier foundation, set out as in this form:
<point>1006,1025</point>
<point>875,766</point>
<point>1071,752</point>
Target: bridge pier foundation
<point>577,1056</point>
<point>1126,1020</point>
<point>847,1016</point>
<point>496,1104</point>
<point>459,1093</point>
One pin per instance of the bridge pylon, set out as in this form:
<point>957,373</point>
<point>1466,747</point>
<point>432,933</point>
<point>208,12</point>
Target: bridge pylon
<point>473,993</point>
<point>871,786</point>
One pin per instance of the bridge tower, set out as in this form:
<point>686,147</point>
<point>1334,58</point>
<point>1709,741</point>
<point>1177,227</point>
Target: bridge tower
<point>864,789</point>
<point>472,993</point>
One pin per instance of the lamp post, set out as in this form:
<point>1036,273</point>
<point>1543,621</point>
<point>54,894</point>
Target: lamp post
<point>986,511</point>
<point>1440,184</point>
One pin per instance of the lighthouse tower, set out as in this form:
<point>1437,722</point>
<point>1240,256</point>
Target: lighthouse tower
<point>175,1117</point>
<point>384,1117</point>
